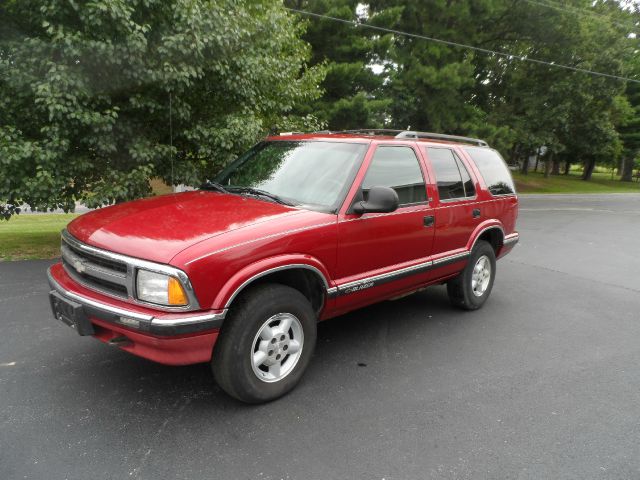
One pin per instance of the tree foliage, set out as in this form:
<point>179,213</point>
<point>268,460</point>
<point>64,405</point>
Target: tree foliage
<point>352,91</point>
<point>518,106</point>
<point>96,97</point>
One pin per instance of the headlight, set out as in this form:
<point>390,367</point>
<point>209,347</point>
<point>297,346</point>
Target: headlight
<point>159,288</point>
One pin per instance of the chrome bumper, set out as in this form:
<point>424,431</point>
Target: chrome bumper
<point>511,239</point>
<point>163,325</point>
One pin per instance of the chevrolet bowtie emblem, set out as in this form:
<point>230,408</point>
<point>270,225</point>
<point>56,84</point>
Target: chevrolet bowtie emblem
<point>79,266</point>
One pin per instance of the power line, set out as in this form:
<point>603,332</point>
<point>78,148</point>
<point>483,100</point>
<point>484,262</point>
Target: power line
<point>510,56</point>
<point>579,11</point>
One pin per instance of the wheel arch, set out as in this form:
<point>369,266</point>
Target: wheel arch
<point>305,274</point>
<point>491,232</point>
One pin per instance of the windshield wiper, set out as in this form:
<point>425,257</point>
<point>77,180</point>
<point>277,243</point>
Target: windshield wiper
<point>261,193</point>
<point>216,187</point>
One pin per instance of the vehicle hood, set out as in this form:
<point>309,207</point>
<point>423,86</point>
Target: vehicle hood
<point>158,228</point>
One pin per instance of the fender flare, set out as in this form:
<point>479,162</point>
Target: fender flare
<point>483,227</point>
<point>247,275</point>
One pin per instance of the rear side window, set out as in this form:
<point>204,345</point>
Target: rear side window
<point>469,188</point>
<point>493,169</point>
<point>452,177</point>
<point>398,168</point>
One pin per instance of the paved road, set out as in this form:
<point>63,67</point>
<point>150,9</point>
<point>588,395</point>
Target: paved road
<point>542,383</point>
<point>80,208</point>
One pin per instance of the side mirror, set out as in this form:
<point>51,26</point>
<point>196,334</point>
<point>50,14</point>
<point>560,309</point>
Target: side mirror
<point>381,200</point>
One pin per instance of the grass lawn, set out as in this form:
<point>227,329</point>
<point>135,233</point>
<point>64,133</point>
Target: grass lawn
<point>32,236</point>
<point>600,183</point>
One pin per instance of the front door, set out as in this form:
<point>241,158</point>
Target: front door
<point>380,254</point>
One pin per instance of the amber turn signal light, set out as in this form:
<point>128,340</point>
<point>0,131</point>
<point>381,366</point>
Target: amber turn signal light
<point>177,295</point>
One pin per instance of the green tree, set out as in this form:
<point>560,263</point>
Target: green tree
<point>430,85</point>
<point>352,90</point>
<point>630,128</point>
<point>630,133</point>
<point>96,97</point>
<point>574,114</point>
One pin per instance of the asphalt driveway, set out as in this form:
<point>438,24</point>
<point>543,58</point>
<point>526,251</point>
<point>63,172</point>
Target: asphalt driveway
<point>542,383</point>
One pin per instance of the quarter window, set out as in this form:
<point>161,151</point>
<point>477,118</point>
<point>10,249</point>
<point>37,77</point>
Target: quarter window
<point>398,168</point>
<point>493,169</point>
<point>453,179</point>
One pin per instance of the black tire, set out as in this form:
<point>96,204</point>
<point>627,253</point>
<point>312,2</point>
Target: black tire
<point>460,289</point>
<point>238,342</point>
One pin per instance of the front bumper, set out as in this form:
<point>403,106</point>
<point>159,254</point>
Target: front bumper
<point>151,322</point>
<point>169,338</point>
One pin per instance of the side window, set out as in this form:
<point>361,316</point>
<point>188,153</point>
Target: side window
<point>398,168</point>
<point>453,179</point>
<point>467,183</point>
<point>493,169</point>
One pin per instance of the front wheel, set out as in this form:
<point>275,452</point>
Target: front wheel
<point>266,344</point>
<point>472,287</point>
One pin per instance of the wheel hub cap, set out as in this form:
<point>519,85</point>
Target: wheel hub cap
<point>481,276</point>
<point>277,347</point>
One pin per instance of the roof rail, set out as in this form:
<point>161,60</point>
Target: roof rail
<point>373,131</point>
<point>442,136</point>
<point>414,134</point>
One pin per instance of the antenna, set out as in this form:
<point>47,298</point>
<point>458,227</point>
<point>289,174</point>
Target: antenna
<point>173,188</point>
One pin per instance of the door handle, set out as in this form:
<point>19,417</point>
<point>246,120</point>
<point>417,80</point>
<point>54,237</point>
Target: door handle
<point>428,220</point>
<point>476,212</point>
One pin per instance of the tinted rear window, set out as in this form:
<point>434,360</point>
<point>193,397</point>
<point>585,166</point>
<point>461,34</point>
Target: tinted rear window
<point>493,169</point>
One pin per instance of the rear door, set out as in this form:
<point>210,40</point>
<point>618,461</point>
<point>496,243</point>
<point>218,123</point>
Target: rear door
<point>380,253</point>
<point>457,211</point>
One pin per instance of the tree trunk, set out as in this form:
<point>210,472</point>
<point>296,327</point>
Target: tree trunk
<point>567,167</point>
<point>525,164</point>
<point>555,168</point>
<point>547,165</point>
<point>537,162</point>
<point>514,154</point>
<point>627,170</point>
<point>588,169</point>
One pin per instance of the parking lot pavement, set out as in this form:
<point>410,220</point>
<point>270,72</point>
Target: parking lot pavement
<point>542,383</point>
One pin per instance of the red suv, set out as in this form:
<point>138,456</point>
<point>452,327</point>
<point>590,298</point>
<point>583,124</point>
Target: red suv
<point>301,228</point>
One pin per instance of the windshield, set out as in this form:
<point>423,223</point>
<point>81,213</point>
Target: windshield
<point>306,173</point>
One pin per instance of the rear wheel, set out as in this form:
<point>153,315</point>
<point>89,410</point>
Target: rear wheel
<point>472,287</point>
<point>265,344</point>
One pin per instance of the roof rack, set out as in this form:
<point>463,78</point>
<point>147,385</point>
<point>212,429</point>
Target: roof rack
<point>373,131</point>
<point>414,134</point>
<point>442,136</point>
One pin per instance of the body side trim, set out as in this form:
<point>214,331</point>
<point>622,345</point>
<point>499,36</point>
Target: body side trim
<point>374,281</point>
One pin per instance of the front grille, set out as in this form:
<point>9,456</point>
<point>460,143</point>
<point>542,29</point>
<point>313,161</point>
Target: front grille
<point>113,273</point>
<point>99,284</point>
<point>103,262</point>
<point>93,270</point>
